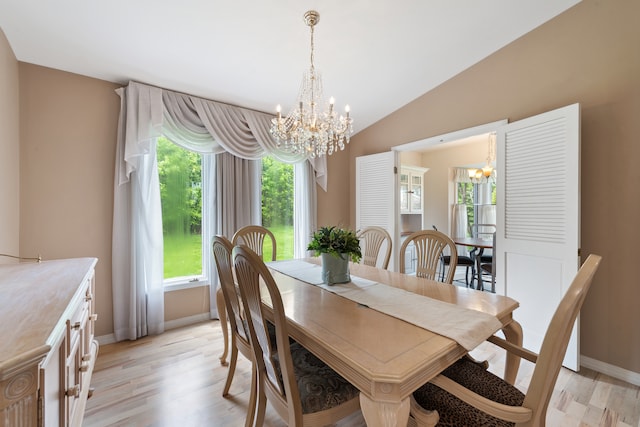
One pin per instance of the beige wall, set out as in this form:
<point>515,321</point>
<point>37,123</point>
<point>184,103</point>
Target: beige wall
<point>68,137</point>
<point>589,55</point>
<point>9,152</point>
<point>68,129</point>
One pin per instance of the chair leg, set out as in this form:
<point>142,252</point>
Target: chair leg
<point>232,369</point>
<point>261,403</point>
<point>251,410</point>
<point>466,276</point>
<point>222,314</point>
<point>421,416</point>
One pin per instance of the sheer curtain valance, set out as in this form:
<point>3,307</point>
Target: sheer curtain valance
<point>461,175</point>
<point>200,125</point>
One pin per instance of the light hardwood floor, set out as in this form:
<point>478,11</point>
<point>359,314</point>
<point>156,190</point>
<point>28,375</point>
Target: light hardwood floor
<point>176,379</point>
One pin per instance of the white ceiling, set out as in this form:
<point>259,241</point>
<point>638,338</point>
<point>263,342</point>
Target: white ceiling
<point>375,55</point>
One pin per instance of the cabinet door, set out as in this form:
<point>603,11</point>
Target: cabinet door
<point>404,192</point>
<point>71,371</point>
<point>416,193</point>
<point>410,259</point>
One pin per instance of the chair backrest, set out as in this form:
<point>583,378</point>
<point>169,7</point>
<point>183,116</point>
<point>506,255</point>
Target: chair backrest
<point>253,236</point>
<point>250,273</point>
<point>556,339</point>
<point>221,249</point>
<point>373,238</point>
<point>430,245</point>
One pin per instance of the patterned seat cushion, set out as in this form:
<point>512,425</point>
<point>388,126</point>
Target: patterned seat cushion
<point>320,386</point>
<point>456,413</point>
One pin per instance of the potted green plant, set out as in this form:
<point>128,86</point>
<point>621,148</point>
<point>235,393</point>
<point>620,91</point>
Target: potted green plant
<point>336,246</point>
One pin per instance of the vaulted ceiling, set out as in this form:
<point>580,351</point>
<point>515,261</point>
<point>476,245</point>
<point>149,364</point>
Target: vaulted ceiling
<point>375,55</point>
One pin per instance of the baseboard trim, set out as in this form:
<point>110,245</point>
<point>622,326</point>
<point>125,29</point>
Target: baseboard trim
<point>186,321</point>
<point>171,324</point>
<point>106,339</point>
<point>611,370</point>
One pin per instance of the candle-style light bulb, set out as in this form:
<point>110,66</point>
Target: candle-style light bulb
<point>347,109</point>
<point>278,109</point>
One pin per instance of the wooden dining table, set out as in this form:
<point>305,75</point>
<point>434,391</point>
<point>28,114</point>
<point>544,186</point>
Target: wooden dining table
<point>386,358</point>
<point>479,244</point>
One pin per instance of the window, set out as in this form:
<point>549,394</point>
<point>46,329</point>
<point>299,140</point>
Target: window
<point>277,205</point>
<point>475,197</point>
<point>180,174</point>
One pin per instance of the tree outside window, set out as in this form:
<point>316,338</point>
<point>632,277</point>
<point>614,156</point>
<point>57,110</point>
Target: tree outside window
<point>277,205</point>
<point>180,174</point>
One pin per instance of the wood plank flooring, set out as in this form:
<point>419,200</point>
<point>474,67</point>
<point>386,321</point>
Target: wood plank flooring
<point>176,379</point>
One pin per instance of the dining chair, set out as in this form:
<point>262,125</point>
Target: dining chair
<point>490,267</point>
<point>253,236</point>
<point>463,261</point>
<point>221,249</point>
<point>430,245</point>
<point>467,394</point>
<point>303,390</point>
<point>483,231</point>
<point>373,239</point>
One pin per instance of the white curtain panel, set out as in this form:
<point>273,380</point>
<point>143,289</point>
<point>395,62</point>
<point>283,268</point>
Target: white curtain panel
<point>305,216</point>
<point>487,214</point>
<point>238,192</point>
<point>203,126</point>
<point>459,224</point>
<point>137,266</point>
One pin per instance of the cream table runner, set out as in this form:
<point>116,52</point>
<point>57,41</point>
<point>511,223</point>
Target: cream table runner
<point>467,327</point>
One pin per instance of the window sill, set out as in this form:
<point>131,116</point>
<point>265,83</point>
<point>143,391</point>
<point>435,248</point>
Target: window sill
<point>185,284</point>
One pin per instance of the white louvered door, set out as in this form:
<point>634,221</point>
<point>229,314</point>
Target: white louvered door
<point>377,196</point>
<point>538,219</point>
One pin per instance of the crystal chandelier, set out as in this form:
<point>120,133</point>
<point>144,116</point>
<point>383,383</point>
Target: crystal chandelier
<point>487,173</point>
<point>306,129</point>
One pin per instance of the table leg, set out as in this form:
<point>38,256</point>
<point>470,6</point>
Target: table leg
<point>384,414</point>
<point>222,315</point>
<point>513,334</point>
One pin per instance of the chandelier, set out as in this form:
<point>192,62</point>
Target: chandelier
<point>487,173</point>
<point>306,129</point>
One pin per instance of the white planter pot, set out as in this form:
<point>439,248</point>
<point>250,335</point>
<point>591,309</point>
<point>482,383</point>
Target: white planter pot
<point>335,269</point>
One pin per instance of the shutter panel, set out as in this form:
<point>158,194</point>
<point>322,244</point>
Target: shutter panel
<point>535,208</point>
<point>538,220</point>
<point>376,195</point>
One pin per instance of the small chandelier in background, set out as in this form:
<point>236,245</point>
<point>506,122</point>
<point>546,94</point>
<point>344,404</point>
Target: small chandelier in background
<point>306,129</point>
<point>487,173</point>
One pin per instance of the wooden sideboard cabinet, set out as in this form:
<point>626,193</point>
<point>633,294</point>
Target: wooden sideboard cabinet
<point>47,345</point>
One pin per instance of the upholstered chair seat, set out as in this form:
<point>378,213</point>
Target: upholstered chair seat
<point>320,387</point>
<point>474,376</point>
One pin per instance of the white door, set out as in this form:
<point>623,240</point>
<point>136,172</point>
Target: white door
<point>377,196</point>
<point>538,236</point>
